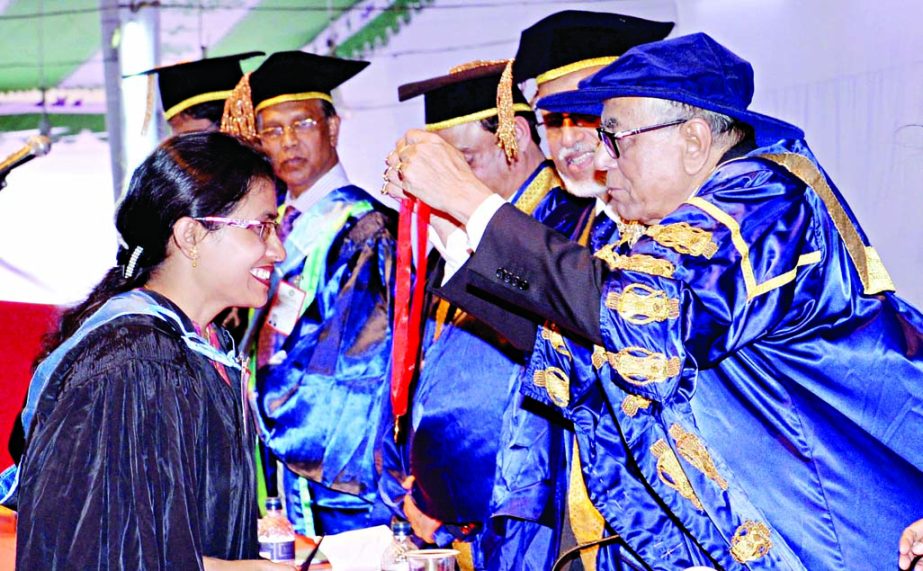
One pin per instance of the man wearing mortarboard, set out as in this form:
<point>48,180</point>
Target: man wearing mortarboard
<point>325,338</point>
<point>193,93</point>
<point>558,52</point>
<point>466,368</point>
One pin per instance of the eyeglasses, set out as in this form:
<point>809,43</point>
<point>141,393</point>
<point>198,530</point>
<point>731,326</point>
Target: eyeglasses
<point>611,140</point>
<point>262,228</point>
<point>558,120</point>
<point>299,128</point>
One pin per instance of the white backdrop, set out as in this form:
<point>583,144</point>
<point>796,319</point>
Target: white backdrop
<point>850,72</point>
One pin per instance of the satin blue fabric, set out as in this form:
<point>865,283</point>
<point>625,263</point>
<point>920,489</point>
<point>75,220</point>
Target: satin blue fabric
<point>806,397</point>
<point>529,497</point>
<point>320,407</point>
<point>466,380</point>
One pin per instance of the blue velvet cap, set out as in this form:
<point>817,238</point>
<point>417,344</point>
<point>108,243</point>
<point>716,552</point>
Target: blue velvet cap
<point>693,69</point>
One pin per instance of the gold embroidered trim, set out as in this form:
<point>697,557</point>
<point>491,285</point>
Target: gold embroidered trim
<point>693,451</point>
<point>630,232</point>
<point>556,383</point>
<point>636,263</point>
<point>304,96</point>
<point>641,367</point>
<point>201,98</point>
<point>556,339</point>
<point>585,520</point>
<point>751,541</point>
<point>671,473</point>
<point>633,403</point>
<point>874,276</point>
<point>641,304</point>
<point>753,289</point>
<point>540,186</point>
<point>572,67</point>
<point>600,357</point>
<point>684,238</point>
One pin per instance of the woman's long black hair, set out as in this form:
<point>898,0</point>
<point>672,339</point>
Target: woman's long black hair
<point>197,174</point>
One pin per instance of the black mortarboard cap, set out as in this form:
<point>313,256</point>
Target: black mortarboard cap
<point>297,76</point>
<point>191,83</point>
<point>471,92</point>
<point>572,40</point>
<point>465,94</point>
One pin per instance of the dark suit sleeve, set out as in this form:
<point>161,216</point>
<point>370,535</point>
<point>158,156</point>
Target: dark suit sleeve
<point>514,324</point>
<point>544,276</point>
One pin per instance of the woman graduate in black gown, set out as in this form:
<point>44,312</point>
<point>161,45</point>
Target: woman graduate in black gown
<point>139,449</point>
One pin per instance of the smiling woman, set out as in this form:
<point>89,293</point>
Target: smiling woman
<point>138,453</point>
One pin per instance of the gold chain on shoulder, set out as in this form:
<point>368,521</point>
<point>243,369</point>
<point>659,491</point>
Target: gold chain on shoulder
<point>641,304</point>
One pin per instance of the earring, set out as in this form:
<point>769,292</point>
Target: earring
<point>195,256</point>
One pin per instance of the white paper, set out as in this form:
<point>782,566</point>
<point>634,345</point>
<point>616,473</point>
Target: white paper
<point>358,550</point>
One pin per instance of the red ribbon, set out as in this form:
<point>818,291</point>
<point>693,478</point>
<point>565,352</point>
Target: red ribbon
<point>408,311</point>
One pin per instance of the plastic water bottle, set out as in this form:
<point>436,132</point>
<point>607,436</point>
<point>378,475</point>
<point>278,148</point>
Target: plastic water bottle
<point>394,558</point>
<point>276,534</point>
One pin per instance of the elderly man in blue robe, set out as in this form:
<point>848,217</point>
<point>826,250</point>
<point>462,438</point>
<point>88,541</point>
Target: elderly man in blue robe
<point>761,376</point>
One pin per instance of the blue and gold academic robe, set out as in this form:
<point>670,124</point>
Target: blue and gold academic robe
<point>762,379</point>
<point>539,487</point>
<point>319,398</point>
<point>466,378</point>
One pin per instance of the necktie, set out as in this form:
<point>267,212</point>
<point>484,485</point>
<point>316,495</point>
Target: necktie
<point>269,341</point>
<point>288,221</point>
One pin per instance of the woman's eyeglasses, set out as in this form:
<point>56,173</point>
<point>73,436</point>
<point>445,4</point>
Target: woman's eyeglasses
<point>262,228</point>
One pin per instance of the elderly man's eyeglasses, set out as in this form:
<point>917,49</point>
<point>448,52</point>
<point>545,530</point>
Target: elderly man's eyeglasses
<point>299,128</point>
<point>611,140</point>
<point>558,120</point>
<point>263,228</point>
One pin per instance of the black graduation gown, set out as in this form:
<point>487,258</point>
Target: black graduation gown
<point>141,462</point>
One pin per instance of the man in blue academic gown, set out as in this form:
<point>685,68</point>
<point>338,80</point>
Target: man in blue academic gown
<point>761,376</point>
<point>556,53</point>
<point>467,370</point>
<point>324,345</point>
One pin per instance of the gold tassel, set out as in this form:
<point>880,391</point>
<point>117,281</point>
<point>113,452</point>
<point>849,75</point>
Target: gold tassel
<point>149,109</point>
<point>238,118</point>
<point>506,130</point>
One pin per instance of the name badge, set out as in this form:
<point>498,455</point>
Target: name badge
<point>286,308</point>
